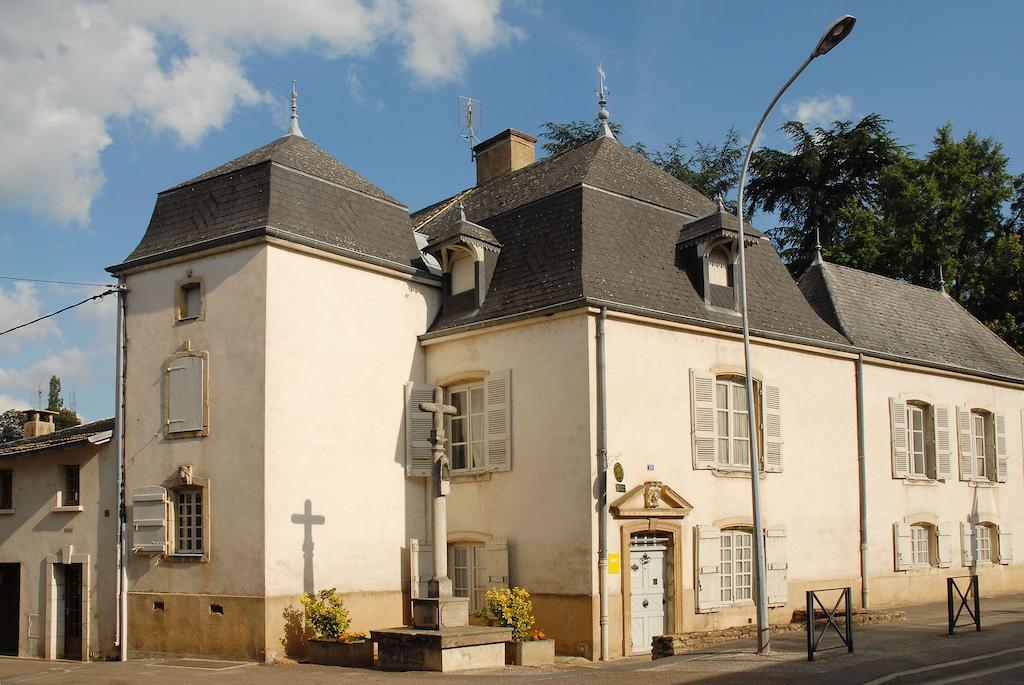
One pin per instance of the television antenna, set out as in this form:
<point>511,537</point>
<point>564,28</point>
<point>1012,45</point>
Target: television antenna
<point>471,119</point>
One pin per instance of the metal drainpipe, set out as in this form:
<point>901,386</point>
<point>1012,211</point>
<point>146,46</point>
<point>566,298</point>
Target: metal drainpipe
<point>122,505</point>
<point>602,480</point>
<point>863,483</point>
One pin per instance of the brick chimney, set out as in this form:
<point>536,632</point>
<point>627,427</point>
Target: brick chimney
<point>502,154</point>
<point>37,422</point>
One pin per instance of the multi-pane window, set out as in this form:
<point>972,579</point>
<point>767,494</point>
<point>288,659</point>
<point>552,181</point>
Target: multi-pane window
<point>71,495</point>
<point>732,426</point>
<point>920,540</point>
<point>466,564</point>
<point>189,521</point>
<point>6,489</point>
<point>916,448</point>
<point>981,453</point>
<point>736,565</point>
<point>984,537</point>
<point>467,427</point>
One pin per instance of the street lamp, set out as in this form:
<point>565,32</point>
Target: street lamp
<point>835,33</point>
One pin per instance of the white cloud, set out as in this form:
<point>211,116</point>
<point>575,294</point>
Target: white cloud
<point>72,365</point>
<point>8,402</point>
<point>20,304</point>
<point>819,111</point>
<point>358,92</point>
<point>69,68</point>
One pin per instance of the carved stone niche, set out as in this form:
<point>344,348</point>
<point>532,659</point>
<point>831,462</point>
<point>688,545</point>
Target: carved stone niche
<point>652,499</point>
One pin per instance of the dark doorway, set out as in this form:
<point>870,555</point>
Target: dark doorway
<point>72,611</point>
<point>10,608</point>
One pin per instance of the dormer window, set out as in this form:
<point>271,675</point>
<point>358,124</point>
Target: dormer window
<point>467,254</point>
<point>463,273</point>
<point>720,268</point>
<point>708,249</point>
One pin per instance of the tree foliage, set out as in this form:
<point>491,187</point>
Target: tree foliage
<point>11,425</point>
<point>53,400</point>
<point>66,417</point>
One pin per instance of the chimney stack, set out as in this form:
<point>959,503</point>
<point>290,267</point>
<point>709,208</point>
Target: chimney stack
<point>37,422</point>
<point>503,154</point>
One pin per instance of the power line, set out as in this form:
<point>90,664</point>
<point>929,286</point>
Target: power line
<point>40,280</point>
<point>70,306</point>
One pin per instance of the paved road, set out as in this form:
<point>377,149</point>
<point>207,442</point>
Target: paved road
<point>912,652</point>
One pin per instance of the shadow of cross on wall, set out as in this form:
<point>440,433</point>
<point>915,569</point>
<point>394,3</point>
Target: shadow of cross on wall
<point>307,520</point>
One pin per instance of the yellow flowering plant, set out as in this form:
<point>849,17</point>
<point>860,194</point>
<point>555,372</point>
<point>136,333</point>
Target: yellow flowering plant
<point>512,608</point>
<point>327,616</point>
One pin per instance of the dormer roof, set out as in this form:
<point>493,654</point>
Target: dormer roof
<point>460,230</point>
<point>716,224</point>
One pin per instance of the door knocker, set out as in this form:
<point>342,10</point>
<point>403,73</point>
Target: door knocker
<point>645,603</point>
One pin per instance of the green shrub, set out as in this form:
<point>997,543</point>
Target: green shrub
<point>513,609</point>
<point>326,614</point>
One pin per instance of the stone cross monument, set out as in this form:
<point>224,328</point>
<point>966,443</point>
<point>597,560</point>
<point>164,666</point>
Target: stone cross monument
<point>440,585</point>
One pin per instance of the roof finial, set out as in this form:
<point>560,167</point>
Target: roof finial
<point>817,246</point>
<point>602,100</point>
<point>942,281</point>
<point>293,130</point>
<point>462,211</point>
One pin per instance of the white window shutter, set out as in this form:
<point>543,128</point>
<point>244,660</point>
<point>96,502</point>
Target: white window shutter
<point>702,404</point>
<point>498,392</point>
<point>1005,544</point>
<point>419,452</point>
<point>943,441</point>
<point>708,568</point>
<point>898,422</point>
<point>944,544</point>
<point>966,440</point>
<point>902,546</point>
<point>496,562</point>
<point>149,520</point>
<point>771,398</point>
<point>421,567</point>
<point>966,544</point>
<point>185,394</point>
<point>1000,421</point>
<point>777,565</point>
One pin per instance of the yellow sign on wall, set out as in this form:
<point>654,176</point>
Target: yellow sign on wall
<point>613,564</point>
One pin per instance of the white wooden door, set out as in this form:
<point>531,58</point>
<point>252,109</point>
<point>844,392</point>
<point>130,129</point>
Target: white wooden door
<point>648,597</point>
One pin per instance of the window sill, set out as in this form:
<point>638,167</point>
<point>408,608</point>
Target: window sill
<point>735,472</point>
<point>982,484</point>
<point>472,477</point>
<point>70,508</point>
<point>6,512</point>
<point>920,480</point>
<point>187,558</point>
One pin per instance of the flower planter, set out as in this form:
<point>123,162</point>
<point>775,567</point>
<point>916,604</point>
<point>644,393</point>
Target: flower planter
<point>530,653</point>
<point>351,654</point>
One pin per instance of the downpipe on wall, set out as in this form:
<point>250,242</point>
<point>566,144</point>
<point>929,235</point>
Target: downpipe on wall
<point>121,635</point>
<point>602,483</point>
<point>863,486</point>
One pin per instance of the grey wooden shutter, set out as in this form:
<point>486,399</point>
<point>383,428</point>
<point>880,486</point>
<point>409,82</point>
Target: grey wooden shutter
<point>772,412</point>
<point>944,544</point>
<point>966,440</point>
<point>898,423</point>
<point>1000,426</point>
<point>702,404</point>
<point>421,567</point>
<point>498,392</point>
<point>943,441</point>
<point>966,544</point>
<point>185,394</point>
<point>708,568</point>
<point>902,547</point>
<point>1005,544</point>
<point>149,520</point>
<point>419,453</point>
<point>777,565</point>
<point>496,563</point>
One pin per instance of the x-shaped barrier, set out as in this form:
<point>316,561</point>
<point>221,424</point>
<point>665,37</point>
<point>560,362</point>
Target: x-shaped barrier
<point>846,636</point>
<point>965,601</point>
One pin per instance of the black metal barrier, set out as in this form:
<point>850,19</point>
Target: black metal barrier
<point>846,636</point>
<point>964,599</point>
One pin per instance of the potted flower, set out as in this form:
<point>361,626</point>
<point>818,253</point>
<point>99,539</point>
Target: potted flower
<point>332,643</point>
<point>512,608</point>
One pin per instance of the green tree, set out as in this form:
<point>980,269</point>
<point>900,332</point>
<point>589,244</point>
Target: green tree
<point>712,169</point>
<point>66,417</point>
<point>54,401</point>
<point>11,425</point>
<point>562,137</point>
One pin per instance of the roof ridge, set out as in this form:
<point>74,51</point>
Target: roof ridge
<point>889,278</point>
<point>831,292</point>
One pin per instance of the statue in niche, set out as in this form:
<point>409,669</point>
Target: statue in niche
<point>185,474</point>
<point>652,494</point>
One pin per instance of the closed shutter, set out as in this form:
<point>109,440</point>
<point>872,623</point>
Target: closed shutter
<point>944,549</point>
<point>943,442</point>
<point>966,544</point>
<point>902,546</point>
<point>708,560</point>
<point>498,390</point>
<point>496,563</point>
<point>421,567</point>
<point>777,565</point>
<point>702,404</point>
<point>1000,421</point>
<point>1005,544</point>
<point>966,440</point>
<point>185,394</point>
<point>419,452</point>
<point>772,409</point>
<point>149,520</point>
<point>898,422</point>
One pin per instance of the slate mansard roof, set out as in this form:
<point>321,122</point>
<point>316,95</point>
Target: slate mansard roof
<point>289,189</point>
<point>907,321</point>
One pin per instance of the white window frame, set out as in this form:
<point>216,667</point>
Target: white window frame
<point>475,460</point>
<point>983,534</point>
<point>921,537</point>
<point>917,441</point>
<point>984,463</point>
<point>735,574</point>
<point>725,430</point>
<point>189,537</point>
<point>471,568</point>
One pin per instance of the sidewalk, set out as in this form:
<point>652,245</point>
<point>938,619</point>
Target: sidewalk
<point>893,653</point>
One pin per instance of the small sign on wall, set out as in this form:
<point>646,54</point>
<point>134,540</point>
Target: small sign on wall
<point>613,564</point>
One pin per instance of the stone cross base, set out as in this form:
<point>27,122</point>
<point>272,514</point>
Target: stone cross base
<point>448,649</point>
<point>435,613</point>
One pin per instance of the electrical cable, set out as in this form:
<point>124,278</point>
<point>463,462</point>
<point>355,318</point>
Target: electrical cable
<point>72,306</point>
<point>40,280</point>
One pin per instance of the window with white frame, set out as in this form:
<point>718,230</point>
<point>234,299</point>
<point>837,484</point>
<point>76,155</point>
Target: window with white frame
<point>916,444</point>
<point>980,434</point>
<point>984,542</point>
<point>188,517</point>
<point>920,545</point>
<point>732,427</point>
<point>736,566</point>
<point>922,439</point>
<point>468,566</point>
<point>468,438</point>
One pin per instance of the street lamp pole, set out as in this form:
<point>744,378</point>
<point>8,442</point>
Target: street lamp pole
<point>836,32</point>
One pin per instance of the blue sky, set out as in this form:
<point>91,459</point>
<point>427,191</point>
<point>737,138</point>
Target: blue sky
<point>109,103</point>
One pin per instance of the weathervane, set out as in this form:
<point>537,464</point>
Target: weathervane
<point>602,100</point>
<point>293,129</point>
